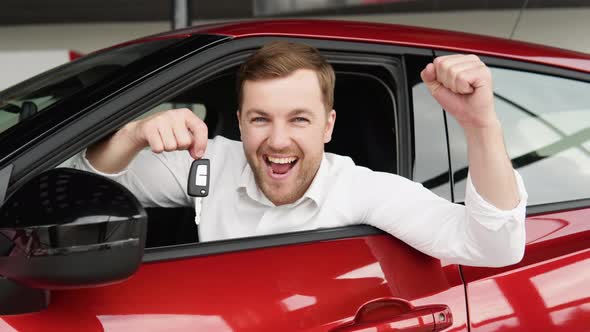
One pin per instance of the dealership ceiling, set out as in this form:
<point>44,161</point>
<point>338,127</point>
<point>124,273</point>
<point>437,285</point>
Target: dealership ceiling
<point>15,12</point>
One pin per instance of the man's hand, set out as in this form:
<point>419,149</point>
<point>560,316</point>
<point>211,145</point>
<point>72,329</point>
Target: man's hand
<point>172,130</point>
<point>178,129</point>
<point>462,84</point>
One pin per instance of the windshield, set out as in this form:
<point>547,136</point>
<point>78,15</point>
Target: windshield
<point>26,99</point>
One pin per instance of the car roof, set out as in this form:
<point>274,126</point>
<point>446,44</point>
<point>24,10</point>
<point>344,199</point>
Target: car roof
<point>391,34</point>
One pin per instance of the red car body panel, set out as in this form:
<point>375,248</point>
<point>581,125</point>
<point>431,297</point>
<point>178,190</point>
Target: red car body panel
<point>320,288</point>
<point>548,291</point>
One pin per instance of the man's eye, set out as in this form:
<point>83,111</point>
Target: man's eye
<point>301,120</point>
<point>259,119</point>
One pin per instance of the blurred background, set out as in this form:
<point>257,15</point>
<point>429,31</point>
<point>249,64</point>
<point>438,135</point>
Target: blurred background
<point>37,35</point>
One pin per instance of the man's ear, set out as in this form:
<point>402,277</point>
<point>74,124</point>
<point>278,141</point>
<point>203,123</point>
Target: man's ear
<point>331,120</point>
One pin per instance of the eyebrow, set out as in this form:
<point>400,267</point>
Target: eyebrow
<point>256,111</point>
<point>295,112</point>
<point>301,111</point>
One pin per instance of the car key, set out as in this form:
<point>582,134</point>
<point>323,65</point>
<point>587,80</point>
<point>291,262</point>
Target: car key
<point>198,179</point>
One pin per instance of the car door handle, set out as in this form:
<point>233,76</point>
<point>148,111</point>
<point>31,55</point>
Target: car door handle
<point>391,314</point>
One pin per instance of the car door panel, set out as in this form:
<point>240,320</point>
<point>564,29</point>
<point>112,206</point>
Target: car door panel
<point>302,287</point>
<point>548,291</point>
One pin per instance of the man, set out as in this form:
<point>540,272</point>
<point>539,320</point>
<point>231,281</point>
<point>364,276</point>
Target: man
<point>278,179</point>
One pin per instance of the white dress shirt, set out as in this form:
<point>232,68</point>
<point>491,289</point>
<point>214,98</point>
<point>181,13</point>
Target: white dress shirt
<point>341,194</point>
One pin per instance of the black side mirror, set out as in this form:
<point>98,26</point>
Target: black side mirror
<point>69,229</point>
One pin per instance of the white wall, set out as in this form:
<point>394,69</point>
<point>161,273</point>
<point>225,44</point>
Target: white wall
<point>565,28</point>
<point>28,50</point>
<point>79,37</point>
<point>16,66</point>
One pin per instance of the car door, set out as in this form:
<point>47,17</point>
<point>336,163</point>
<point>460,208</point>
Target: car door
<point>314,286</point>
<point>344,279</point>
<point>545,113</point>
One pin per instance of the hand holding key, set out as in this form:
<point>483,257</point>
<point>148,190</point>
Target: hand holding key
<point>177,129</point>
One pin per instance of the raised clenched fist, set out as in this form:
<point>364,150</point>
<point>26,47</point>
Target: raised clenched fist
<point>462,84</point>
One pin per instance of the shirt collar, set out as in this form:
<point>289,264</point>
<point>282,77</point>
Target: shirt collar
<point>318,187</point>
<point>248,184</point>
<point>315,191</point>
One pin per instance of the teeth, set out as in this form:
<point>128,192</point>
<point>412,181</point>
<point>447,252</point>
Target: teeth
<point>281,160</point>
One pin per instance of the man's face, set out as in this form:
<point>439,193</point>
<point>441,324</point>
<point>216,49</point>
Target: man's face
<point>284,125</point>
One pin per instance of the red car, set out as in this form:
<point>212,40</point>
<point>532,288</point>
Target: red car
<point>66,269</point>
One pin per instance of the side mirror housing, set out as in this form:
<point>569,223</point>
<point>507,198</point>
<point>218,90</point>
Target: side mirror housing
<point>68,228</point>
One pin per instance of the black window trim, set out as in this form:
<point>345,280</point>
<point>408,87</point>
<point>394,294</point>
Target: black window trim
<point>545,208</point>
<point>535,68</point>
<point>193,250</point>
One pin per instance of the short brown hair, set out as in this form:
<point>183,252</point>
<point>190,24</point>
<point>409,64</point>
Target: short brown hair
<point>281,58</point>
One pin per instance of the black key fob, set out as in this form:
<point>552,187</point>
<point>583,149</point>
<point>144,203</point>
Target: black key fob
<point>198,178</point>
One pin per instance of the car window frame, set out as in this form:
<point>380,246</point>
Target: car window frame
<point>404,146</point>
<point>378,68</point>
<point>134,100</point>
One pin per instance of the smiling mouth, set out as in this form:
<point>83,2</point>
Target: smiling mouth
<point>280,166</point>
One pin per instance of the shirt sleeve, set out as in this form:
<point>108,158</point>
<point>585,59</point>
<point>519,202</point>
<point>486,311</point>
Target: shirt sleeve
<point>157,180</point>
<point>477,234</point>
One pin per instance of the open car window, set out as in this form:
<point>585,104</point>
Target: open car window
<point>365,131</point>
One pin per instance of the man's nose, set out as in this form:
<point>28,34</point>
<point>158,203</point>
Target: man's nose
<point>279,138</point>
